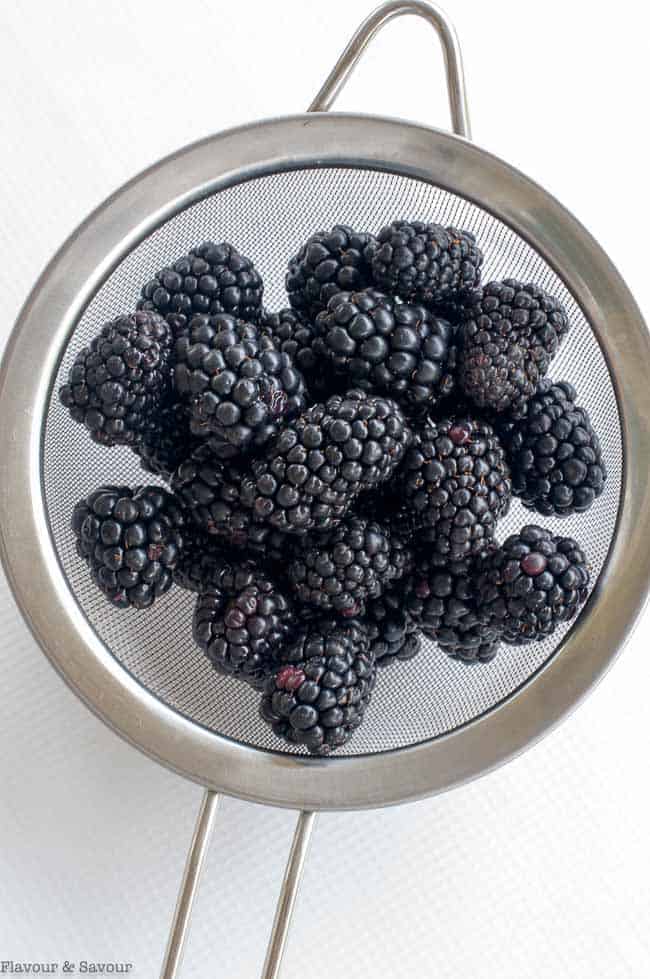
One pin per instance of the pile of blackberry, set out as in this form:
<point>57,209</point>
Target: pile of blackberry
<point>329,477</point>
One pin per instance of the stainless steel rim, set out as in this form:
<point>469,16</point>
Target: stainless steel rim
<point>49,315</point>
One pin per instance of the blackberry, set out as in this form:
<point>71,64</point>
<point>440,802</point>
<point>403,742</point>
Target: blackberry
<point>132,540</point>
<point>509,335</point>
<point>242,623</point>
<point>531,584</point>
<point>118,381</point>
<point>318,464</point>
<point>424,263</point>
<point>293,334</point>
<point>341,569</point>
<point>201,564</point>
<point>212,278</point>
<point>442,598</point>
<point>318,699</point>
<point>329,262</point>
<point>394,634</point>
<point>166,441</point>
<point>380,344</point>
<point>456,485</point>
<point>238,385</point>
<point>554,453</point>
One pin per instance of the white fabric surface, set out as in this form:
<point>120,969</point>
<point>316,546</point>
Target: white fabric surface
<point>542,869</point>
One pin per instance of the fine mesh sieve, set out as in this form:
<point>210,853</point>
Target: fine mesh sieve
<point>267,187</point>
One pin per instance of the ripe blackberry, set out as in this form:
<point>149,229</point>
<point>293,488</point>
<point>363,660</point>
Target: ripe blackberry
<point>131,539</point>
<point>394,634</point>
<point>293,334</point>
<point>314,469</point>
<point>318,699</point>
<point>341,569</point>
<point>242,623</point>
<point>380,344</point>
<point>166,441</point>
<point>118,381</point>
<point>456,485</point>
<point>442,598</point>
<point>424,263</point>
<point>554,453</point>
<point>212,278</point>
<point>329,262</point>
<point>238,385</point>
<point>531,584</point>
<point>509,335</point>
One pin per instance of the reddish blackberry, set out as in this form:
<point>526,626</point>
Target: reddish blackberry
<point>318,699</point>
<point>442,598</point>
<point>329,262</point>
<point>212,278</point>
<point>531,584</point>
<point>118,381</point>
<point>394,634</point>
<point>238,385</point>
<point>313,470</point>
<point>341,569</point>
<point>509,335</point>
<point>456,485</point>
<point>424,263</point>
<point>131,539</point>
<point>166,441</point>
<point>554,453</point>
<point>242,623</point>
<point>380,344</point>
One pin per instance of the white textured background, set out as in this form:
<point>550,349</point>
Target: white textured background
<point>541,870</point>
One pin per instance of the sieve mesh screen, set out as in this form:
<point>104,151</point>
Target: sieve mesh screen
<point>267,218</point>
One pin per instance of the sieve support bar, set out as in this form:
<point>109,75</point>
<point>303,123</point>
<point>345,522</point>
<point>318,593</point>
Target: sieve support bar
<point>371,26</point>
<point>287,899</point>
<point>189,886</point>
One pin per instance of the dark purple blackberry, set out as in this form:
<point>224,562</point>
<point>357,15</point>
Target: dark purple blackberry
<point>293,334</point>
<point>212,278</point>
<point>509,335</point>
<point>117,383</point>
<point>424,263</point>
<point>329,262</point>
<point>166,441</point>
<point>242,623</point>
<point>442,598</point>
<point>239,387</point>
<point>314,469</point>
<point>343,568</point>
<point>380,344</point>
<point>554,453</point>
<point>531,584</point>
<point>456,486</point>
<point>318,699</point>
<point>394,634</point>
<point>132,540</point>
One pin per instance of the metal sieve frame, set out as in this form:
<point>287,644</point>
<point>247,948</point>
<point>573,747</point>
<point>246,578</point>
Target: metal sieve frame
<point>30,363</point>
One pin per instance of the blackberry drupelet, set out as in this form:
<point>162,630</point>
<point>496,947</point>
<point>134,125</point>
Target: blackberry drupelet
<point>242,623</point>
<point>166,440</point>
<point>329,262</point>
<point>315,468</point>
<point>456,486</point>
<point>394,634</point>
<point>441,596</point>
<point>318,698</point>
<point>531,584</point>
<point>424,263</point>
<point>509,335</point>
<point>212,278</point>
<point>343,568</point>
<point>132,540</point>
<point>380,344</point>
<point>239,387</point>
<point>117,383</point>
<point>554,453</point>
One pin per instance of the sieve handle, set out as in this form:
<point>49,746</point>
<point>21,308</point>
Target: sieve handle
<point>189,886</point>
<point>287,899</point>
<point>371,26</point>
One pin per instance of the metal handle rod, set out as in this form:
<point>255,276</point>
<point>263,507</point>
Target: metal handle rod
<point>371,26</point>
<point>287,899</point>
<point>189,886</point>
